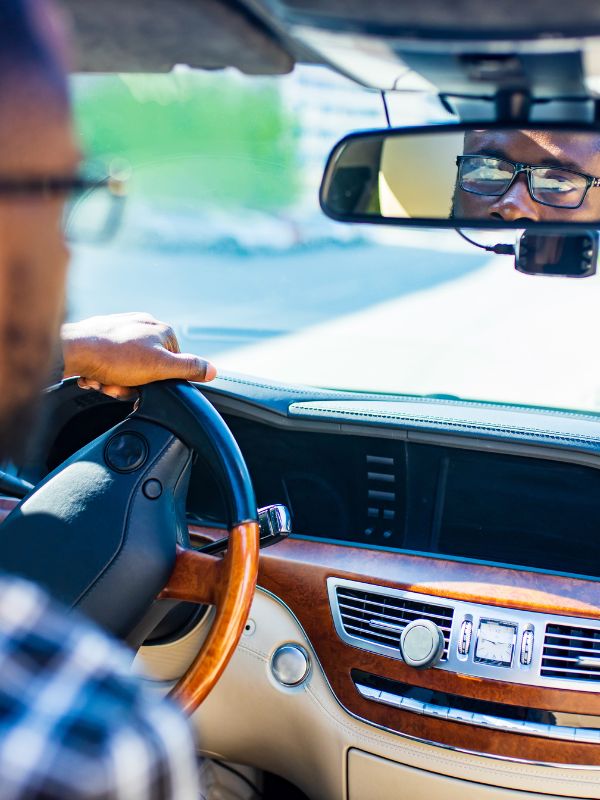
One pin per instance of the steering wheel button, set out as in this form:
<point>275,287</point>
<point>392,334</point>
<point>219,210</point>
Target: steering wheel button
<point>126,452</point>
<point>152,489</point>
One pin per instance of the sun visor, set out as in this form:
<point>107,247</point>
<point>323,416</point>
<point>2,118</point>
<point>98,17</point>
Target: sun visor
<point>154,36</point>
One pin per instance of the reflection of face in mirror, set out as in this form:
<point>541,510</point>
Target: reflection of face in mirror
<point>540,176</point>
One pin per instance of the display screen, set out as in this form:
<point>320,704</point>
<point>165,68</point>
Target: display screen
<point>495,642</point>
<point>521,511</point>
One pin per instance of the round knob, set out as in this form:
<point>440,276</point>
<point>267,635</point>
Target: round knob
<point>290,664</point>
<point>422,643</point>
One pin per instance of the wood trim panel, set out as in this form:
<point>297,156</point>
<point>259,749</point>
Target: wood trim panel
<point>296,571</point>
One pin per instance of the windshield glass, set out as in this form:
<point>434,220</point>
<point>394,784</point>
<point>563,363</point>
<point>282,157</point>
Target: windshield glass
<point>221,235</point>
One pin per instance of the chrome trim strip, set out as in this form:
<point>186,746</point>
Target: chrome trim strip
<point>533,621</point>
<point>568,733</point>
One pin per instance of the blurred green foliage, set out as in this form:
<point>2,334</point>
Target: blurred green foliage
<point>216,139</point>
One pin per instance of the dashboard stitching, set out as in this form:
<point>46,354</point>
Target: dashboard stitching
<point>453,423</point>
<point>417,398</point>
<point>393,748</point>
<point>533,771</point>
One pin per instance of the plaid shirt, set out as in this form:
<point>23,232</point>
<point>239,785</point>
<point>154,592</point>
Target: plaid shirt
<point>74,721</point>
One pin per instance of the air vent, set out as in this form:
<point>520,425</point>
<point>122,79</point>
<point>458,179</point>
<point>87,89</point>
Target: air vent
<point>571,652</point>
<point>380,619</point>
<point>381,499</point>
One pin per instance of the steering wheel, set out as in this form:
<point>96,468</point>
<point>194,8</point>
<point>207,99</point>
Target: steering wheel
<point>106,531</point>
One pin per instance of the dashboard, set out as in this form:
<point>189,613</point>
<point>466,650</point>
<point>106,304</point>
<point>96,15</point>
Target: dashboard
<point>482,521</point>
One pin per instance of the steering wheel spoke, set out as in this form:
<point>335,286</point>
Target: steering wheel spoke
<point>228,583</point>
<point>196,578</point>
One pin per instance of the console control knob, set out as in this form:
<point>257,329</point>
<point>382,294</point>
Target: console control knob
<point>466,634</point>
<point>527,648</point>
<point>422,644</point>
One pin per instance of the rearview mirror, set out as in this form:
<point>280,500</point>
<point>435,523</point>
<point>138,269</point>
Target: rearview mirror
<point>454,176</point>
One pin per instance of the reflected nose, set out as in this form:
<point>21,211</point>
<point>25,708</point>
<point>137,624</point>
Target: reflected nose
<point>516,203</point>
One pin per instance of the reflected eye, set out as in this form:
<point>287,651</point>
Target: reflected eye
<point>555,182</point>
<point>487,176</point>
<point>558,187</point>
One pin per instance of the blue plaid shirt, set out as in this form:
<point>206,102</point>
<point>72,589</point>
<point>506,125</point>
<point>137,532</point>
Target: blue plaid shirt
<point>74,721</point>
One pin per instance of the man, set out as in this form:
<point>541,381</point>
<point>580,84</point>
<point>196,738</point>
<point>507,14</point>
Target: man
<point>73,722</point>
<point>541,176</point>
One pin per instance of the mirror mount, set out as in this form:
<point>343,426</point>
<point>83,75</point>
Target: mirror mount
<point>507,84</point>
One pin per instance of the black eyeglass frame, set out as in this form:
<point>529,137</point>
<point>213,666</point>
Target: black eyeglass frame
<point>56,185</point>
<point>591,181</point>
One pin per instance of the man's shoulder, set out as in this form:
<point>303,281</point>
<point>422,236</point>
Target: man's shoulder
<point>45,633</point>
<point>69,705</point>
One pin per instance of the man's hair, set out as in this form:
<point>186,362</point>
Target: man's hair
<point>28,49</point>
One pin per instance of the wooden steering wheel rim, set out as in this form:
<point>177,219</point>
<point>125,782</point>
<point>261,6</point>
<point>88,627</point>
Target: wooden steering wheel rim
<point>228,583</point>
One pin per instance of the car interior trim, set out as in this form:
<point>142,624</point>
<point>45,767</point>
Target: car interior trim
<point>446,557</point>
<point>453,748</point>
<point>572,733</point>
<point>152,660</point>
<point>529,622</point>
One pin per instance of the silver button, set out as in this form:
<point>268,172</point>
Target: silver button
<point>527,648</point>
<point>290,664</point>
<point>466,632</point>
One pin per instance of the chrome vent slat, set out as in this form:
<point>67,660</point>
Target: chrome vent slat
<point>564,648</point>
<point>574,659</point>
<point>569,649</point>
<point>371,634</point>
<point>400,608</point>
<point>386,617</point>
<point>591,674</point>
<point>403,623</point>
<point>358,608</point>
<point>392,626</point>
<point>594,640</point>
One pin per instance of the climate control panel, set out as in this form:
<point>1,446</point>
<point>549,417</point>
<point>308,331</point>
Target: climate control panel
<point>474,639</point>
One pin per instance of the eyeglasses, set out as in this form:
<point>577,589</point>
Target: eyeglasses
<point>550,186</point>
<point>93,200</point>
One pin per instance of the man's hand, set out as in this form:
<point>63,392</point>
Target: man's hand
<point>116,352</point>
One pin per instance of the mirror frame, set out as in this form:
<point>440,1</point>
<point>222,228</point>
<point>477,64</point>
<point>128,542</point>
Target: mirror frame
<point>425,222</point>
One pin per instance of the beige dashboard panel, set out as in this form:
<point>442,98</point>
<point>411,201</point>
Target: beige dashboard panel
<point>374,778</point>
<point>304,734</point>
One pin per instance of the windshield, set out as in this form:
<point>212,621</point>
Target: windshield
<point>221,235</point>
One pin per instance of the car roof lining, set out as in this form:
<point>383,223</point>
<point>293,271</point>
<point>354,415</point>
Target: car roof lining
<point>257,36</point>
